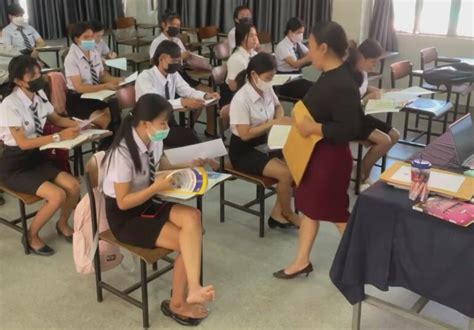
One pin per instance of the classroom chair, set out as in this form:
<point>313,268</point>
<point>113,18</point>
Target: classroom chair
<point>358,160</point>
<point>20,224</point>
<point>204,34</point>
<point>431,108</point>
<point>262,184</point>
<point>126,34</point>
<point>221,53</point>
<point>265,38</point>
<point>146,256</point>
<point>126,97</point>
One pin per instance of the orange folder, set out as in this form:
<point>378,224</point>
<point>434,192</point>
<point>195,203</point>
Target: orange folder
<point>298,149</point>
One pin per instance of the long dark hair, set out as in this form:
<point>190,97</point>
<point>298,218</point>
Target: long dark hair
<point>260,63</point>
<point>241,32</point>
<point>332,34</point>
<point>148,107</point>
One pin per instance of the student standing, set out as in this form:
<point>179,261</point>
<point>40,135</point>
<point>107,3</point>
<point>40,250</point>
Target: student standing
<point>164,79</point>
<point>101,46</point>
<point>131,185</point>
<point>336,115</point>
<point>23,168</point>
<point>381,136</point>
<point>85,74</point>
<point>291,56</point>
<point>253,111</point>
<point>242,15</point>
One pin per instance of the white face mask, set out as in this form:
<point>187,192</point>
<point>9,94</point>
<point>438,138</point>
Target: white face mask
<point>263,85</point>
<point>297,37</point>
<point>18,21</point>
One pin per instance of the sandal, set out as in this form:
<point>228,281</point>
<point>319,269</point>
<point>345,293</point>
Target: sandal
<point>183,320</point>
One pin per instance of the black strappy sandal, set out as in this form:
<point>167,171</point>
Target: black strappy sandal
<point>186,321</point>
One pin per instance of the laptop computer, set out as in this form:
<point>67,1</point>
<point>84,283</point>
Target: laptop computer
<point>463,137</point>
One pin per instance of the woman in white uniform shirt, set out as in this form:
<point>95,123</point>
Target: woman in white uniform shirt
<point>130,187</point>
<point>291,56</point>
<point>23,168</point>
<point>253,111</point>
<point>85,74</point>
<point>100,46</point>
<point>242,15</point>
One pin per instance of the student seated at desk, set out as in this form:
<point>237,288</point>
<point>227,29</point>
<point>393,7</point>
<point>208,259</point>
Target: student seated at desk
<point>242,15</point>
<point>131,187</point>
<point>101,46</point>
<point>164,79</point>
<point>247,42</point>
<point>383,137</point>
<point>253,111</point>
<point>85,74</point>
<point>21,35</point>
<point>23,168</point>
<point>291,56</point>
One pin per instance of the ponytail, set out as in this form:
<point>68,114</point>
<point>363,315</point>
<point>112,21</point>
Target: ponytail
<point>260,63</point>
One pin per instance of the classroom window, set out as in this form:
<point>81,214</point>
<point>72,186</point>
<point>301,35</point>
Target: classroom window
<point>440,17</point>
<point>24,5</point>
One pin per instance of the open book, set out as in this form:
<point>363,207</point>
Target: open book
<point>84,136</point>
<point>191,182</point>
<point>281,79</point>
<point>393,101</point>
<point>447,209</point>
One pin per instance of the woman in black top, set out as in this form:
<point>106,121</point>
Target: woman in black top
<point>336,115</point>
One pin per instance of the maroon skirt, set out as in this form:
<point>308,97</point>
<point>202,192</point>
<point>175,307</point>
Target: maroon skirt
<point>322,193</point>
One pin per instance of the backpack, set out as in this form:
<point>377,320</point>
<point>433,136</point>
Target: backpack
<point>452,74</point>
<point>84,245</point>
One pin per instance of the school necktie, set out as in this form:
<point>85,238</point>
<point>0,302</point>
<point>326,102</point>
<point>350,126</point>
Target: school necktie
<point>167,90</point>
<point>95,77</point>
<point>297,52</point>
<point>25,38</point>
<point>36,118</point>
<point>152,169</point>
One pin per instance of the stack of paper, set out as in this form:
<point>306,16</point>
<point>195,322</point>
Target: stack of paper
<point>278,136</point>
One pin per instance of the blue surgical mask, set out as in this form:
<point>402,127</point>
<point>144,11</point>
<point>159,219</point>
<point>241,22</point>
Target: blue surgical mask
<point>87,45</point>
<point>159,135</point>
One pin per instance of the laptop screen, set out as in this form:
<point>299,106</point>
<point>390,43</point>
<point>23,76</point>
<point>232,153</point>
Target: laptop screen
<point>463,136</point>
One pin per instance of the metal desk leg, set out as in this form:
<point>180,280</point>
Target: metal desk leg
<point>356,313</point>
<point>199,207</point>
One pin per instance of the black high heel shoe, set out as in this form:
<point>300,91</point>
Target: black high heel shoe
<point>45,250</point>
<point>282,275</point>
<point>272,223</point>
<point>60,233</point>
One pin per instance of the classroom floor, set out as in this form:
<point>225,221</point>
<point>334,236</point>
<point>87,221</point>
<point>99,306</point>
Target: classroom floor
<point>46,292</point>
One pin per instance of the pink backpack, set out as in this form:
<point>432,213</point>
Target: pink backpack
<point>84,245</point>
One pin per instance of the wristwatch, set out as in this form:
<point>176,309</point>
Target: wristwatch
<point>56,138</point>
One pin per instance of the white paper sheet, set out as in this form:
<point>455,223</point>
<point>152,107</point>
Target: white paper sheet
<point>185,155</point>
<point>118,63</point>
<point>449,182</point>
<point>278,136</point>
<point>381,106</point>
<point>84,123</point>
<point>131,78</point>
<point>101,95</point>
<point>280,79</point>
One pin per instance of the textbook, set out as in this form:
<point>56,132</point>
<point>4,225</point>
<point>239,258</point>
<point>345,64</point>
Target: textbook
<point>447,209</point>
<point>100,95</point>
<point>213,178</point>
<point>84,136</point>
<point>394,101</point>
<point>281,79</point>
<point>278,136</point>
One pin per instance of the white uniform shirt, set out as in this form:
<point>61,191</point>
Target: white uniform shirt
<point>249,108</point>
<point>76,64</point>
<point>365,84</point>
<point>152,81</point>
<point>120,169</point>
<point>238,61</point>
<point>12,36</point>
<point>158,40</point>
<point>15,112</point>
<point>102,48</point>
<point>284,49</point>
<point>231,39</point>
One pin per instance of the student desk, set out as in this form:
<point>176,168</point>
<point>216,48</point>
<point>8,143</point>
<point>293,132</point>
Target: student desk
<point>386,244</point>
<point>374,76</point>
<point>51,49</point>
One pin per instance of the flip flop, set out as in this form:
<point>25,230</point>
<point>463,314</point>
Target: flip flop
<point>183,320</point>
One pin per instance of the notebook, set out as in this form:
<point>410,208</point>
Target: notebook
<point>100,95</point>
<point>86,135</point>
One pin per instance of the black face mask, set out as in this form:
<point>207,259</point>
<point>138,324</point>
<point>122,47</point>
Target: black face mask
<point>245,20</point>
<point>173,31</point>
<point>173,68</point>
<point>36,85</point>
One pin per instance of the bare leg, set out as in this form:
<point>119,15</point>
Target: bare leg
<point>55,198</point>
<point>72,189</point>
<point>307,234</point>
<point>278,170</point>
<point>341,226</point>
<point>381,145</point>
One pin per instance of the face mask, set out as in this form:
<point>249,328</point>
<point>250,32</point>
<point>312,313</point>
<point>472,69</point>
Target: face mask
<point>159,135</point>
<point>172,31</point>
<point>18,21</point>
<point>297,37</point>
<point>87,45</point>
<point>245,20</point>
<point>36,85</point>
<point>173,68</point>
<point>263,85</point>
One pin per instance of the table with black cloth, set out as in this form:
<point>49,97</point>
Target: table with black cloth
<point>387,243</point>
